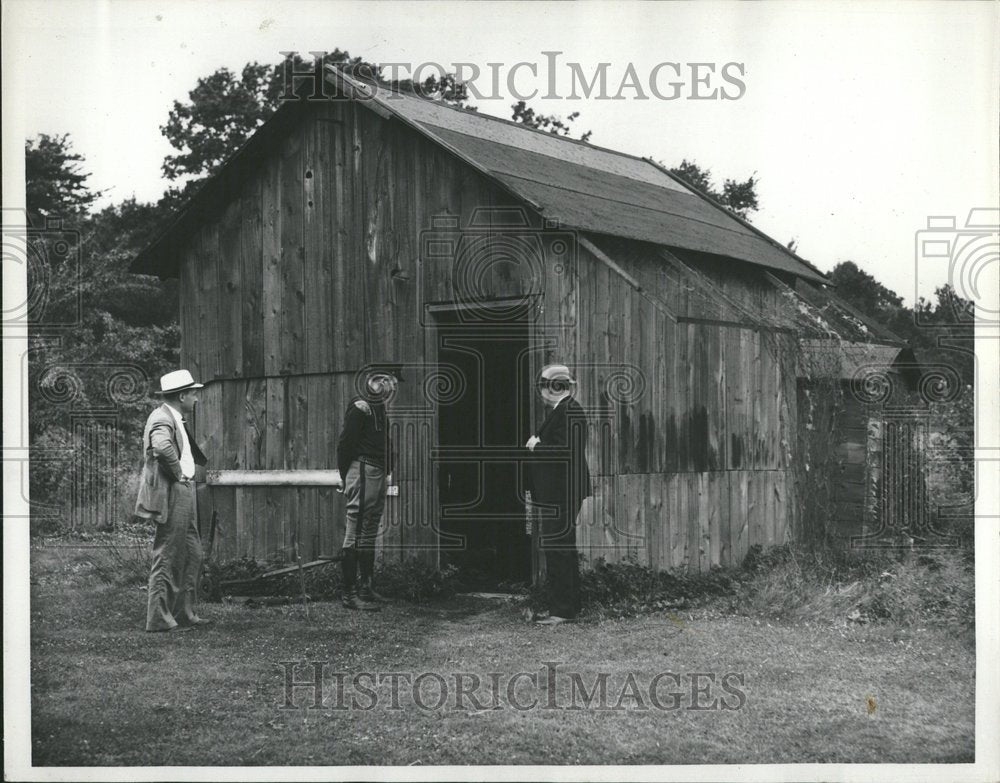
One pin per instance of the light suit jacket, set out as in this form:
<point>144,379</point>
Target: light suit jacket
<point>161,465</point>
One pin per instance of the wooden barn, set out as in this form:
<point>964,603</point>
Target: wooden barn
<point>472,250</point>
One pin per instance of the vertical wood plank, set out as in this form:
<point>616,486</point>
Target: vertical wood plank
<point>725,518</point>
<point>254,412</point>
<point>292,295</point>
<point>224,500</point>
<point>755,510</point>
<point>230,331</point>
<point>714,512</point>
<point>296,435</point>
<point>756,423</point>
<point>704,528</point>
<point>688,520</point>
<point>336,201</point>
<point>242,524</point>
<point>252,267</point>
<point>317,258</point>
<point>271,271</point>
<point>671,412</point>
<point>274,447</point>
<point>740,527</point>
<point>684,366</point>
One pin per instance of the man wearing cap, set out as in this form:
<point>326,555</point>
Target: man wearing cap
<point>167,497</point>
<point>364,461</point>
<point>559,480</point>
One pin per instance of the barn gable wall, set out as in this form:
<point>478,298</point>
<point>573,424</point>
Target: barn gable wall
<point>309,272</point>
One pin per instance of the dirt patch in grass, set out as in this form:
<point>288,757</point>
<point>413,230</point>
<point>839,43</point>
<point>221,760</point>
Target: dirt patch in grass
<point>106,693</point>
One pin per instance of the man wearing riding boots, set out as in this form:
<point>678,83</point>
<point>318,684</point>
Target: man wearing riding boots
<point>364,462</point>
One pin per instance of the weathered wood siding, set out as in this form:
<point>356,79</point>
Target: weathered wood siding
<point>312,268</point>
<point>306,274</point>
<point>693,422</point>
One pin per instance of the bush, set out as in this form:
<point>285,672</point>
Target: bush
<point>936,589</point>
<point>627,588</point>
<point>125,560</point>
<point>929,589</point>
<point>417,582</point>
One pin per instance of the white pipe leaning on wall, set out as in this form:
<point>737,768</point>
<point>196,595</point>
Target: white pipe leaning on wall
<point>272,478</point>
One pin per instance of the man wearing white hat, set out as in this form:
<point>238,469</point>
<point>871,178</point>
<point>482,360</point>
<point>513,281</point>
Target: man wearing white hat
<point>167,497</point>
<point>559,480</point>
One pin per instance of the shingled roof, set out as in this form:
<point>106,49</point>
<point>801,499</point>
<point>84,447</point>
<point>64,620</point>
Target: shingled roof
<point>579,185</point>
<point>594,189</point>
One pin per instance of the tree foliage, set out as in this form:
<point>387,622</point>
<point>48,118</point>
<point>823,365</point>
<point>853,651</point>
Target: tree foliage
<point>940,331</point>
<point>224,109</point>
<point>740,198</point>
<point>98,339</point>
<point>56,185</point>
<point>552,123</point>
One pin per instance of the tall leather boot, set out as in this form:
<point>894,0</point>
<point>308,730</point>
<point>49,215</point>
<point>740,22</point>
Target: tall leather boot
<point>350,598</point>
<point>366,590</point>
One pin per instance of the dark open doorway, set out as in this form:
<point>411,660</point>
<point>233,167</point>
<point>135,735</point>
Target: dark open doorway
<point>482,428</point>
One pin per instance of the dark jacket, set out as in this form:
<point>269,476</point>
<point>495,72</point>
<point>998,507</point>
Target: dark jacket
<point>161,465</point>
<point>557,468</point>
<point>365,434</point>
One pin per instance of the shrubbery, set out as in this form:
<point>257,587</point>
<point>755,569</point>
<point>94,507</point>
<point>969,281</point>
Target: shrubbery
<point>936,588</point>
<point>416,582</point>
<point>782,583</point>
<point>627,588</point>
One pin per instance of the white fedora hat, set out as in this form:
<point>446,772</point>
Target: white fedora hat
<point>178,380</point>
<point>557,372</point>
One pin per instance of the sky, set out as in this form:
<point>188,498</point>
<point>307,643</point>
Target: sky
<point>860,120</point>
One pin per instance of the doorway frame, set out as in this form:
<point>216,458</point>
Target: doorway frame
<point>433,316</point>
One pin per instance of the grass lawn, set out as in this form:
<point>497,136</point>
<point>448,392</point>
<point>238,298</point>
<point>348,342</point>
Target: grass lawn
<point>106,693</point>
